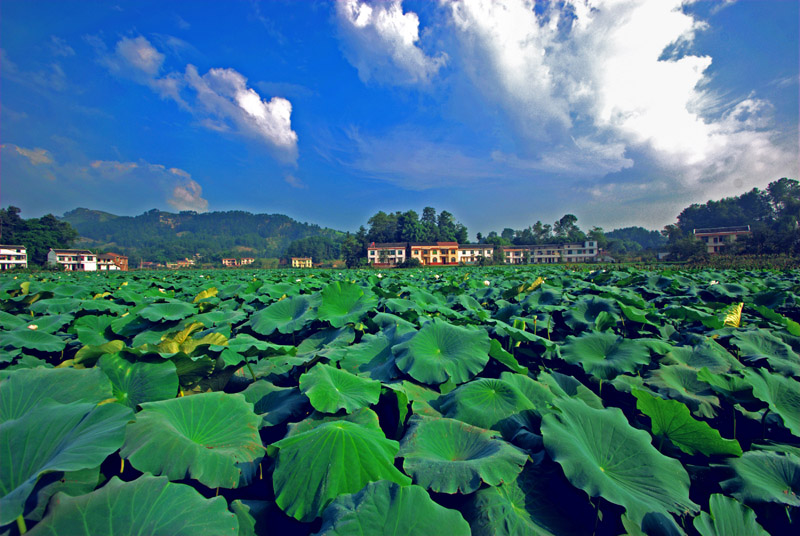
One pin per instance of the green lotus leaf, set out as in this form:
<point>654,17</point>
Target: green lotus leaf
<point>604,355</point>
<point>191,370</point>
<point>286,316</point>
<point>728,517</point>
<point>762,344</point>
<point>371,357</point>
<point>9,321</point>
<point>136,382</point>
<point>33,340</point>
<point>389,509</point>
<point>218,317</point>
<point>449,456</point>
<point>336,457</point>
<point>780,393</point>
<point>72,483</point>
<point>764,476</point>
<point>497,352</point>
<point>605,456</point>
<point>583,314</point>
<point>51,323</point>
<point>705,353</point>
<point>636,315</point>
<point>671,419</point>
<point>345,303</point>
<point>164,312</point>
<point>680,382</point>
<point>540,502</point>
<point>325,340</point>
<point>484,402</point>
<point>55,306</point>
<point>682,312</point>
<point>791,326</point>
<point>54,437</point>
<point>208,437</point>
<point>274,404</point>
<point>148,505</point>
<point>330,389</point>
<point>25,389</point>
<point>562,386</point>
<point>88,355</point>
<point>91,329</point>
<point>440,352</point>
<point>364,416</point>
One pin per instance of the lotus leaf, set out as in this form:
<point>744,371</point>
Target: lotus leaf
<point>55,306</point>
<point>161,507</point>
<point>54,437</point>
<point>780,393</point>
<point>208,437</point>
<point>762,344</point>
<point>72,483</point>
<point>497,352</point>
<point>389,509</point>
<point>441,351</point>
<point>605,456</point>
<point>484,402</point>
<point>605,355</point>
<point>286,316</point>
<point>26,389</point>
<point>728,517</point>
<point>345,303</point>
<point>164,312</point>
<point>33,340</point>
<point>330,389</point>
<point>680,382</point>
<point>671,419</point>
<point>336,457</point>
<point>275,404</point>
<point>137,382</point>
<point>91,330</point>
<point>371,357</point>
<point>583,314</point>
<point>539,502</point>
<point>764,476</point>
<point>449,456</point>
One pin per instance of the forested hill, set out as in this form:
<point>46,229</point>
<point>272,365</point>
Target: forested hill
<point>164,236</point>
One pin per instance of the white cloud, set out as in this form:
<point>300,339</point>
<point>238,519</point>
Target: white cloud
<point>382,42</point>
<point>37,156</point>
<point>188,195</point>
<point>617,70</point>
<point>220,98</point>
<point>223,93</point>
<point>294,182</point>
<point>59,47</point>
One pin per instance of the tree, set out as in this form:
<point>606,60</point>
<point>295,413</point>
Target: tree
<point>479,238</point>
<point>597,234</point>
<point>383,227</point>
<point>409,227</point>
<point>354,248</point>
<point>507,234</point>
<point>38,235</point>
<point>430,229</point>
<point>498,256</point>
<point>446,227</point>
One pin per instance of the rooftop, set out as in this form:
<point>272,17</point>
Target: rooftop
<point>717,230</point>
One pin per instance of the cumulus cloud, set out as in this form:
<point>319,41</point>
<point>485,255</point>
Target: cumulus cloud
<point>37,156</point>
<point>223,93</point>
<point>615,70</point>
<point>220,99</point>
<point>382,42</point>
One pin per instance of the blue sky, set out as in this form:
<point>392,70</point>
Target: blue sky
<point>503,112</point>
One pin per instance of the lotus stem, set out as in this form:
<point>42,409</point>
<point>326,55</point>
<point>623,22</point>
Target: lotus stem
<point>21,524</point>
<point>216,493</point>
<point>253,374</point>
<point>121,465</point>
<point>596,515</point>
<point>260,472</point>
<point>764,425</point>
<point>734,424</point>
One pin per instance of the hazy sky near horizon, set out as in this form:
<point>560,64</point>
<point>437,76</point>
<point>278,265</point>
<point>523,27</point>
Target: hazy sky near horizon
<point>503,112</point>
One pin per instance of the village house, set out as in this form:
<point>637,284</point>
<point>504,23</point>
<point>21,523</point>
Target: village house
<point>185,263</point>
<point>301,262</point>
<point>717,238</point>
<point>73,260</point>
<point>435,253</point>
<point>245,261</point>
<point>112,261</point>
<point>228,262</point>
<point>13,257</point>
<point>387,254</point>
<point>471,253</point>
<point>551,253</point>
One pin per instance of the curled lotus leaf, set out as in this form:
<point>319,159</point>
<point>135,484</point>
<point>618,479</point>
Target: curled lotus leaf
<point>764,476</point>
<point>33,340</point>
<point>761,344</point>
<point>135,382</point>
<point>285,316</point>
<point>728,517</point>
<point>450,456</point>
<point>345,303</point>
<point>210,437</point>
<point>161,507</point>
<point>441,351</point>
<point>484,402</point>
<point>780,393</point>
<point>330,389</point>
<point>605,355</point>
<point>605,456</point>
<point>165,312</point>
<point>337,457</point>
<point>389,509</point>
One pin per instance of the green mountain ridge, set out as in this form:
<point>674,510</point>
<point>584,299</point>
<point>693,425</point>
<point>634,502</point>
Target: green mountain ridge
<point>165,236</point>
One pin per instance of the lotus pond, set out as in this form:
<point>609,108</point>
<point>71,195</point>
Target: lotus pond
<point>454,401</point>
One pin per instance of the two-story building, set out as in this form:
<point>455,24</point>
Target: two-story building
<point>472,253</point>
<point>551,253</point>
<point>112,261</point>
<point>387,253</point>
<point>717,238</point>
<point>301,262</point>
<point>73,260</point>
<point>13,257</point>
<point>435,253</point>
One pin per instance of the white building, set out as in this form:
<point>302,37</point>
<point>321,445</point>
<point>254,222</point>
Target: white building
<point>471,253</point>
<point>387,254</point>
<point>551,253</point>
<point>13,257</point>
<point>73,260</point>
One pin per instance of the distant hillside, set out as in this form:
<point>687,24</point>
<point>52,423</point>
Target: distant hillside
<point>165,236</point>
<point>644,238</point>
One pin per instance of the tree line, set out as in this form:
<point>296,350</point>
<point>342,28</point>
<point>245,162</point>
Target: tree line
<point>38,235</point>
